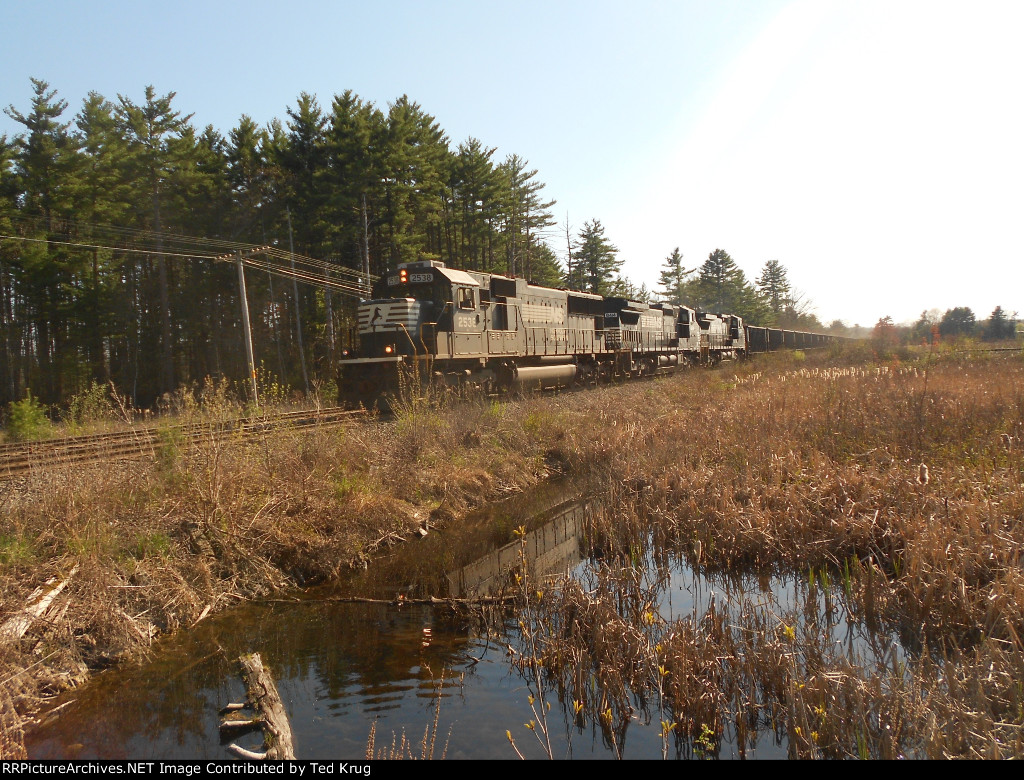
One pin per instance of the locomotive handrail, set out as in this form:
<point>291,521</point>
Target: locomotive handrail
<point>415,352</point>
<point>427,354</point>
<point>423,341</point>
<point>521,324</point>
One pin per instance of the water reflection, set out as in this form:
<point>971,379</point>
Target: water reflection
<point>341,666</point>
<point>552,549</point>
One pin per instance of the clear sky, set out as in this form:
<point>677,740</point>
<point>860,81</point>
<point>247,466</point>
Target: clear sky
<point>876,149</point>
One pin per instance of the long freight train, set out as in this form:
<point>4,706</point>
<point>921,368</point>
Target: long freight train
<point>429,323</point>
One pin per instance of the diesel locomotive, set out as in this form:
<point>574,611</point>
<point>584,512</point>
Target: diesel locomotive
<point>427,323</point>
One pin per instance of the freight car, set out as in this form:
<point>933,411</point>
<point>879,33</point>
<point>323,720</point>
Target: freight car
<point>431,324</point>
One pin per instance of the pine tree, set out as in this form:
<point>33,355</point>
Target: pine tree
<point>720,283</point>
<point>885,335</point>
<point>674,278</point>
<point>12,370</point>
<point>247,174</point>
<point>624,287</point>
<point>477,190</point>
<point>926,329</point>
<point>526,218</point>
<point>595,260</point>
<point>157,161</point>
<point>44,163</point>
<point>415,160</point>
<point>205,298</point>
<point>774,288</point>
<point>958,321</point>
<point>999,326</point>
<point>353,178</point>
<point>544,268</point>
<point>302,159</point>
<point>722,287</point>
<point>102,195</point>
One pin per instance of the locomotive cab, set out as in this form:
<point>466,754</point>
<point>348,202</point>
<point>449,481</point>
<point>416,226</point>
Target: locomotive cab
<point>737,334</point>
<point>688,332</point>
<point>413,305</point>
<point>418,312</point>
<point>714,336</point>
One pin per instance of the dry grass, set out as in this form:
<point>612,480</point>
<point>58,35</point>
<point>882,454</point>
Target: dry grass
<point>782,464</point>
<point>904,483</point>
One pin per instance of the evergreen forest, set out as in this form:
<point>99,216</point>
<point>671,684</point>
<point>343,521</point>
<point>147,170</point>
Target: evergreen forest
<point>115,224</point>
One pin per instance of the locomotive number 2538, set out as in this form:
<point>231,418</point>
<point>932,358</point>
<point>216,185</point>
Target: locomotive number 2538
<point>413,279</point>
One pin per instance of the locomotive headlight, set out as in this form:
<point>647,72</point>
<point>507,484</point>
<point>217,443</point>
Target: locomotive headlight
<point>403,275</point>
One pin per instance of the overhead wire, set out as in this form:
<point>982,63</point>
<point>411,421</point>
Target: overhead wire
<point>320,281</point>
<point>249,261</point>
<point>325,264</point>
<point>359,290</point>
<point>300,267</point>
<point>177,240</point>
<point>189,255</point>
<point>72,226</point>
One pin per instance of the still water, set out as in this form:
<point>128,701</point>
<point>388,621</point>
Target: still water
<point>343,666</point>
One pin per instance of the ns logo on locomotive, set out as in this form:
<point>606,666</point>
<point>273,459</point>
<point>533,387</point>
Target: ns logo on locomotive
<point>468,329</point>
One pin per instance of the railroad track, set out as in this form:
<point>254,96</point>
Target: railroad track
<point>21,457</point>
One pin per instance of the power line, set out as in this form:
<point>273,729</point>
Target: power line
<point>62,225</point>
<point>181,242</point>
<point>307,269</point>
<point>191,255</point>
<point>301,275</point>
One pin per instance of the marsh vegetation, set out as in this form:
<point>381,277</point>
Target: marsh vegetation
<point>888,496</point>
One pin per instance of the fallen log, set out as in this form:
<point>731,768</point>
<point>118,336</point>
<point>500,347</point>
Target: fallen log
<point>39,602</point>
<point>264,699</point>
<point>434,600</point>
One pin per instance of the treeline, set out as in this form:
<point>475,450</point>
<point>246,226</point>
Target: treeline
<point>720,285</point>
<point>934,326</point>
<point>94,286</point>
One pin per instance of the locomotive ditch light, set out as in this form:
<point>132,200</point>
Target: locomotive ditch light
<point>388,349</point>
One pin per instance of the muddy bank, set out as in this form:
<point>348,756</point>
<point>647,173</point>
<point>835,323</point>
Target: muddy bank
<point>142,549</point>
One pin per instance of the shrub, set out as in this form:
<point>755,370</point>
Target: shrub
<point>92,405</point>
<point>15,550</point>
<point>27,420</point>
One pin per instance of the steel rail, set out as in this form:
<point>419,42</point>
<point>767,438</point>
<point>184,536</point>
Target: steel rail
<point>17,458</point>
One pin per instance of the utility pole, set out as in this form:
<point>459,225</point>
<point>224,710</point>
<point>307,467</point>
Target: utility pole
<point>366,249</point>
<point>329,312</point>
<point>568,245</point>
<point>247,328</point>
